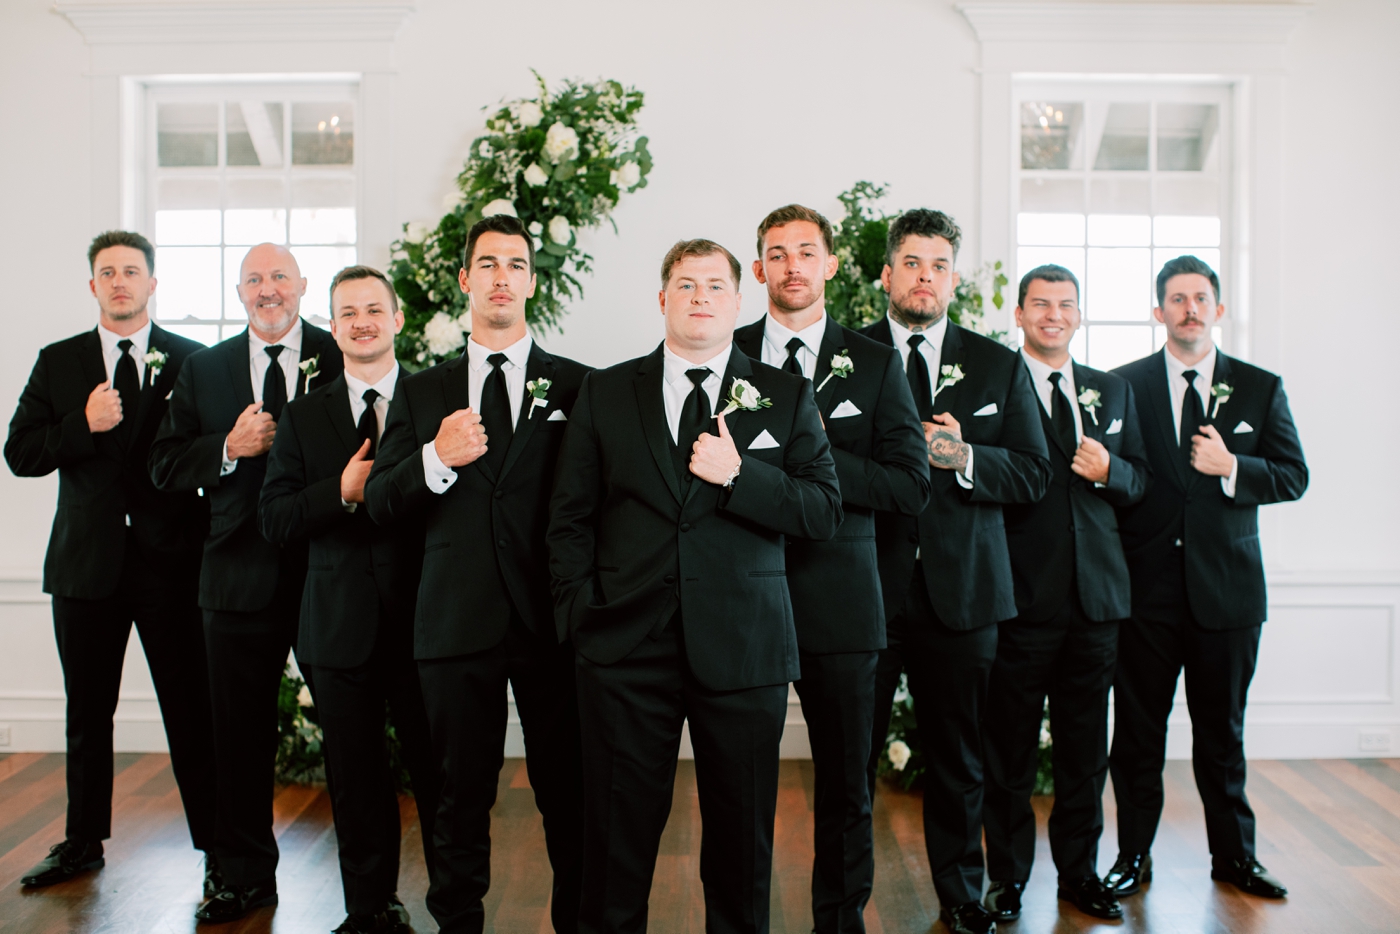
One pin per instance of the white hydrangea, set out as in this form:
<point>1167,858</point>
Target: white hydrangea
<point>535,175</point>
<point>485,149</point>
<point>499,206</point>
<point>560,143</point>
<point>628,175</point>
<point>416,232</point>
<point>443,334</point>
<point>536,228</point>
<point>899,754</point>
<point>559,229</point>
<point>539,244</point>
<point>452,199</point>
<point>530,114</point>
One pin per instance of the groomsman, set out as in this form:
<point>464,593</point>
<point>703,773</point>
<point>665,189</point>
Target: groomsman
<point>215,437</point>
<point>683,472</point>
<point>120,551</point>
<point>470,449</point>
<point>355,642</point>
<point>947,574</point>
<point>1071,586</point>
<point>877,445</point>
<point>1221,442</point>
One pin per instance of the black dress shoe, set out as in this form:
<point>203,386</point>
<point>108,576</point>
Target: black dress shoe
<point>235,901</point>
<point>968,918</point>
<point>1249,877</point>
<point>1003,900</point>
<point>213,876</point>
<point>1093,898</point>
<point>65,860</point>
<point>395,909</point>
<point>363,922</point>
<point>1129,874</point>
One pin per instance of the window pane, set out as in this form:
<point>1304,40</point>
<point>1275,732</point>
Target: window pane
<point>256,193</point>
<point>189,282</point>
<point>1188,194</point>
<point>233,267</point>
<point>1050,134</point>
<point>1052,195</point>
<point>1119,285</point>
<point>1123,145</point>
<point>319,264</point>
<point>1186,136</point>
<point>1118,194</point>
<point>185,228</point>
<point>187,194</point>
<point>206,334</point>
<point>323,133</point>
<point>1185,231</point>
<point>1029,257</point>
<point>1120,230</point>
<point>254,133</point>
<point>323,225</point>
<point>1050,229</point>
<point>263,225</point>
<point>187,134</point>
<point>1114,345</point>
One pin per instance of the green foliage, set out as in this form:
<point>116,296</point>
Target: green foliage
<point>560,162</point>
<point>301,758</point>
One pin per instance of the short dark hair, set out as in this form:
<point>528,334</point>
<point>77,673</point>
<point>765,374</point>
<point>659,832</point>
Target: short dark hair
<point>351,273</point>
<point>1047,273</point>
<point>111,238</point>
<point>686,248</point>
<point>791,214</point>
<point>1185,266</point>
<point>502,224</point>
<point>922,222</point>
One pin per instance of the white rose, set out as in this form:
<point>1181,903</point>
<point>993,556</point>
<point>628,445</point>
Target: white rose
<point>530,114</point>
<point>539,244</point>
<point>499,206</point>
<point>304,697</point>
<point>628,175</point>
<point>745,393</point>
<point>535,175</point>
<point>536,228</point>
<point>560,143</point>
<point>442,334</point>
<point>452,199</point>
<point>559,229</point>
<point>899,754</point>
<point>417,232</point>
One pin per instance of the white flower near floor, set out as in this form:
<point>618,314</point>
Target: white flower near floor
<point>899,754</point>
<point>560,143</point>
<point>443,334</point>
<point>304,697</point>
<point>535,175</point>
<point>559,230</point>
<point>530,114</point>
<point>499,206</point>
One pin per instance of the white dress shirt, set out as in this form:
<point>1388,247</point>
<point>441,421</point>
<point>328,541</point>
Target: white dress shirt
<point>356,391</point>
<point>676,386</point>
<point>438,475</point>
<point>1040,378</point>
<point>932,349</point>
<point>111,353</point>
<point>258,361</point>
<point>1176,384</point>
<point>775,341</point>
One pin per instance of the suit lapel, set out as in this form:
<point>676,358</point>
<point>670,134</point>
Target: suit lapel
<point>539,365</point>
<point>313,344</point>
<point>950,354</point>
<point>149,392</point>
<point>94,373</point>
<point>880,331</point>
<point>652,405</point>
<point>1085,379</point>
<point>749,338</point>
<point>1221,375</point>
<point>831,345</point>
<point>240,373</point>
<point>739,367</point>
<point>337,403</point>
<point>1160,394</point>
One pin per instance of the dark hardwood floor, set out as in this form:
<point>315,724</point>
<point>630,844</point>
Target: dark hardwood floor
<point>1330,829</point>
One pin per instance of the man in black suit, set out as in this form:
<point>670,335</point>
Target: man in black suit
<point>667,548</point>
<point>1071,590</point>
<point>877,445</point>
<point>355,642</point>
<point>470,448</point>
<point>947,574</point>
<point>120,550</point>
<point>1221,442</point>
<point>215,438</point>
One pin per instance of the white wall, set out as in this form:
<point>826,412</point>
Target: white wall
<point>751,105</point>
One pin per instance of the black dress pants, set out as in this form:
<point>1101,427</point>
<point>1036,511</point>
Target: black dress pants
<point>948,673</point>
<point>1161,640</point>
<point>247,655</point>
<point>1070,659</point>
<point>838,703</point>
<point>632,712</point>
<point>351,704</point>
<point>92,637</point>
<point>467,709</point>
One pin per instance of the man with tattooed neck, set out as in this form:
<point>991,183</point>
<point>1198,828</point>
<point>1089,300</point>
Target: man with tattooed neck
<point>947,573</point>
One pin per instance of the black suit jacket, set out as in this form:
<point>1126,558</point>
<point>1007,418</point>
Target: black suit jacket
<point>627,546</point>
<point>240,568</point>
<point>103,484</point>
<point>881,463</point>
<point>1224,564</point>
<point>1070,538</point>
<point>961,535</point>
<point>359,574</point>
<point>484,550</point>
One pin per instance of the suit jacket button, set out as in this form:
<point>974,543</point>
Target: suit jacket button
<point>670,578</point>
<point>502,543</point>
<point>685,526</point>
<point>500,494</point>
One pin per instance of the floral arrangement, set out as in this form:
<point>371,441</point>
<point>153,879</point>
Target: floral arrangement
<point>301,760</point>
<point>558,161</point>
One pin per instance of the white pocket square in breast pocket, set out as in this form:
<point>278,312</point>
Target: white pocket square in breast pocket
<point>557,416</point>
<point>1243,428</point>
<point>1114,427</point>
<point>762,442</point>
<point>169,394</point>
<point>989,409</point>
<point>845,410</point>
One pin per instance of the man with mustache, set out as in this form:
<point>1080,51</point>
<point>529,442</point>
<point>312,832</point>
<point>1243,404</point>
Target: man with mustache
<point>215,437</point>
<point>1221,443</point>
<point>947,573</point>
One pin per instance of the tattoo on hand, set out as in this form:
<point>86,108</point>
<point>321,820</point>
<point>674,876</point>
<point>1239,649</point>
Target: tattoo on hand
<point>947,450</point>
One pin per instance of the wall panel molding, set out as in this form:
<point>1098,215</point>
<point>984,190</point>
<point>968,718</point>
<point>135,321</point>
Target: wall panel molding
<point>1056,22</point>
<point>107,22</point>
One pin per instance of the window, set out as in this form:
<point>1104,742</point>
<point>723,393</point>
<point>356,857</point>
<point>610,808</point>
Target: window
<point>228,166</point>
<point>1111,182</point>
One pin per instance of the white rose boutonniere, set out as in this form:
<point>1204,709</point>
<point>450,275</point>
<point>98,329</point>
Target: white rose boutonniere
<point>1089,398</point>
<point>310,369</point>
<point>1222,393</point>
<point>537,388</point>
<point>744,395</point>
<point>155,361</point>
<point>899,754</point>
<point>841,365</point>
<point>948,375</point>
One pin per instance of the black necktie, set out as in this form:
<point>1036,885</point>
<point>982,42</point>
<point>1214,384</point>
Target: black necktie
<point>695,419</point>
<point>274,384</point>
<point>368,427</point>
<point>125,382</point>
<point>1193,416</point>
<point>1061,415</point>
<point>791,364</point>
<point>919,382</point>
<point>495,413</point>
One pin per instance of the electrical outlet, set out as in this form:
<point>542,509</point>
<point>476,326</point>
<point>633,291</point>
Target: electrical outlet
<point>1375,741</point>
<point>4,734</point>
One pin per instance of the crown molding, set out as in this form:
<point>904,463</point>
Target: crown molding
<point>105,22</point>
<point>1117,21</point>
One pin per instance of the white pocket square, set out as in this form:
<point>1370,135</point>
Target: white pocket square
<point>1243,428</point>
<point>762,442</point>
<point>557,416</point>
<point>169,394</point>
<point>1114,427</point>
<point>989,409</point>
<point>845,410</point>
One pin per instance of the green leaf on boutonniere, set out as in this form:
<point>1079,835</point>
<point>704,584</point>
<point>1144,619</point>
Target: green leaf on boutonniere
<point>841,365</point>
<point>538,389</point>
<point>1222,393</point>
<point>744,395</point>
<point>155,360</point>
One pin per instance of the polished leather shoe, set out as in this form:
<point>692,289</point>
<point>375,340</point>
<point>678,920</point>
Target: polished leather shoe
<point>379,922</point>
<point>1129,874</point>
<point>213,875</point>
<point>65,860</point>
<point>1003,900</point>
<point>968,918</point>
<point>1092,897</point>
<point>235,901</point>
<point>395,909</point>
<point>1249,877</point>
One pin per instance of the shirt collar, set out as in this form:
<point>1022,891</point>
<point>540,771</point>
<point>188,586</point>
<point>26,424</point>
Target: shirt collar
<point>140,340</point>
<point>1042,370</point>
<point>676,365</point>
<point>517,354</point>
<point>933,335</point>
<point>1205,367</point>
<point>385,387</point>
<point>778,335</point>
<point>291,340</point>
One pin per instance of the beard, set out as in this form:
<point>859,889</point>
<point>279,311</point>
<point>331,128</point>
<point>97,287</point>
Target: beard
<point>915,314</point>
<point>799,302</point>
<point>119,315</point>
